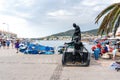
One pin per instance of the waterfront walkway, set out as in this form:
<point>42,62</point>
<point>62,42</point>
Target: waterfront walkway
<point>19,66</point>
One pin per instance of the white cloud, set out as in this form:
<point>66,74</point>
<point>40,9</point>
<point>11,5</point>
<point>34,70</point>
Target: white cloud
<point>23,14</point>
<point>26,3</point>
<point>99,7</point>
<point>115,1</point>
<point>98,2</point>
<point>89,2</point>
<point>64,1</point>
<point>2,4</point>
<point>29,2</point>
<point>14,24</point>
<point>59,13</point>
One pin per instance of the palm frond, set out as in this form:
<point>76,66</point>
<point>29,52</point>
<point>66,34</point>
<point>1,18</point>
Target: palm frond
<point>116,25</point>
<point>104,12</point>
<point>114,20</point>
<point>110,18</point>
<point>108,30</point>
<point>102,32</point>
<point>104,23</point>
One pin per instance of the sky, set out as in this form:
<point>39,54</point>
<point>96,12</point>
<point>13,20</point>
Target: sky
<point>40,18</point>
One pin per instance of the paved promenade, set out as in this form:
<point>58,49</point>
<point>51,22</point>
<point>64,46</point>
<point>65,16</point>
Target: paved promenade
<point>19,66</point>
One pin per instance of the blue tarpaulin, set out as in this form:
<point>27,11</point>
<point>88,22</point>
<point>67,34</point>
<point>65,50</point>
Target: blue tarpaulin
<point>37,49</point>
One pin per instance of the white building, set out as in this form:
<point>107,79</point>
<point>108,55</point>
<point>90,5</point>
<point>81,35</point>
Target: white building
<point>5,34</point>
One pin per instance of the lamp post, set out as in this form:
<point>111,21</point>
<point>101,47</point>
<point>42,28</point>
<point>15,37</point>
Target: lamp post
<point>7,29</point>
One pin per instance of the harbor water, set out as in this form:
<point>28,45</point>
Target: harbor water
<point>58,43</point>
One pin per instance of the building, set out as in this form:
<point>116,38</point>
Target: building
<point>5,34</point>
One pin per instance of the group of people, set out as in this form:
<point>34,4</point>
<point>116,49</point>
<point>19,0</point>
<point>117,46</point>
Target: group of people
<point>100,49</point>
<point>7,43</point>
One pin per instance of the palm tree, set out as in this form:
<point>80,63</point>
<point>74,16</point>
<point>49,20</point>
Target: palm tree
<point>111,20</point>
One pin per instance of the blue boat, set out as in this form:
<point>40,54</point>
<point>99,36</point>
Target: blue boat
<point>36,49</point>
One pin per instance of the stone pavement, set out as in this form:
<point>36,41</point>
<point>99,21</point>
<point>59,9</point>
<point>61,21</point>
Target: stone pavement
<point>19,66</point>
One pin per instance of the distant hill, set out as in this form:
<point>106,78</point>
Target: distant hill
<point>93,31</point>
<point>70,33</point>
<point>66,33</point>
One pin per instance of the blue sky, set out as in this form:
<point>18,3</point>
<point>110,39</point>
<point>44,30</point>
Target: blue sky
<point>39,18</point>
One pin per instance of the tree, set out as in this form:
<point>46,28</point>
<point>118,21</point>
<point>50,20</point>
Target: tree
<point>111,20</point>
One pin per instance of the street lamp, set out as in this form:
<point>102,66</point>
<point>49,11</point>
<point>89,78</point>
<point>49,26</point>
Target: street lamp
<point>7,29</point>
<point>7,26</point>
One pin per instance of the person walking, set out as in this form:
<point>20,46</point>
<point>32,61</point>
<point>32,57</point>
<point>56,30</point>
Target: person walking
<point>8,44</point>
<point>17,45</point>
<point>4,44</point>
<point>12,43</point>
<point>115,50</point>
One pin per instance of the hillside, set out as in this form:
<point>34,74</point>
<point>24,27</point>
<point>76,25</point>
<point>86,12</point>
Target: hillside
<point>94,32</point>
<point>70,33</point>
<point>67,33</point>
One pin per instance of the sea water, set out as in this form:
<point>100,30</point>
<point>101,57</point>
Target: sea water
<point>57,43</point>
